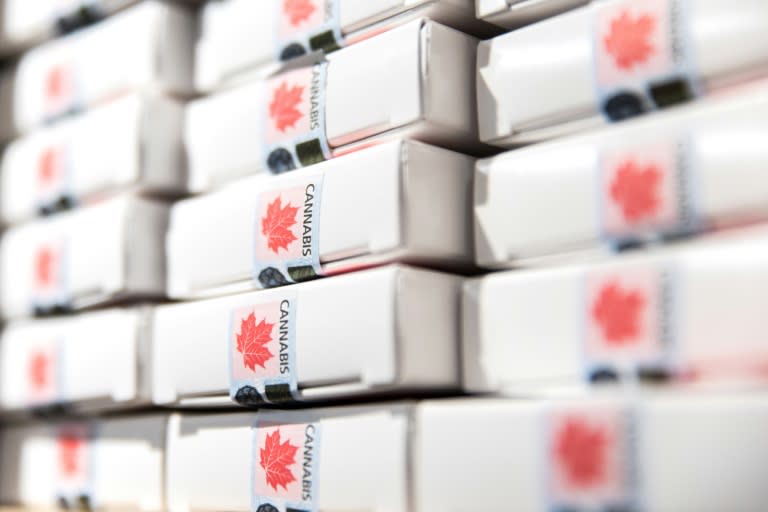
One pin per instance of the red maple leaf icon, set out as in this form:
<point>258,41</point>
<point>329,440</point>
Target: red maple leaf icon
<point>298,10</point>
<point>276,225</point>
<point>617,312</point>
<point>46,166</point>
<point>38,370</point>
<point>636,190</point>
<point>56,83</point>
<point>283,109</point>
<point>69,450</point>
<point>275,459</point>
<point>580,451</point>
<point>252,340</point>
<point>44,261</point>
<point>628,41</point>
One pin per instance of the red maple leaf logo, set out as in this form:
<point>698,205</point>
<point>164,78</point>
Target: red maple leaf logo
<point>46,166</point>
<point>298,10</point>
<point>617,312</point>
<point>69,450</point>
<point>276,225</point>
<point>283,109</point>
<point>636,190</point>
<point>252,340</point>
<point>628,41</point>
<point>38,371</point>
<point>56,83</point>
<point>44,261</point>
<point>275,459</point>
<point>581,452</point>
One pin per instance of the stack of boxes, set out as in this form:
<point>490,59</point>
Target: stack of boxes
<point>263,255</point>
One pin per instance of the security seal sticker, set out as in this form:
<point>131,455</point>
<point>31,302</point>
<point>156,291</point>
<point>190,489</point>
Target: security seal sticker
<point>643,57</point>
<point>287,232</point>
<point>306,26</point>
<point>53,188</point>
<point>294,119</point>
<point>262,352</point>
<point>75,446</point>
<point>646,190</point>
<point>284,466</point>
<point>629,331</point>
<point>50,290</point>
<point>589,454</point>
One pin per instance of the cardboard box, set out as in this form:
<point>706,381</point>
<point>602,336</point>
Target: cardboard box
<point>130,143</point>
<point>523,455</point>
<point>117,464</point>
<point>91,256</point>
<point>648,318</point>
<point>402,201</point>
<point>344,475</point>
<point>573,72</point>
<point>484,454</point>
<point>242,36</point>
<point>312,349</point>
<point>512,14</point>
<point>146,47</point>
<point>66,361</point>
<point>688,170</point>
<point>413,81</point>
<point>24,24</point>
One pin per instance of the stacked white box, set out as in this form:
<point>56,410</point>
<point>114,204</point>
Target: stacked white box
<point>230,47</point>
<point>420,75</point>
<point>539,82</point>
<point>422,196</point>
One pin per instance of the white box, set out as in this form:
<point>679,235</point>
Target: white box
<point>409,318</point>
<point>146,47</point>
<point>96,255</point>
<point>24,24</point>
<point>646,317</point>
<point>512,14</point>
<point>399,201</point>
<point>115,463</point>
<point>361,464</point>
<point>130,143</point>
<point>92,361</point>
<point>544,80</point>
<point>688,170</point>
<point>241,36</point>
<point>485,454</point>
<point>419,74</point>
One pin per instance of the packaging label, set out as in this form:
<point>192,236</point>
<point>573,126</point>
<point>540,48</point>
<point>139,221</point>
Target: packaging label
<point>590,453</point>
<point>53,180</point>
<point>262,353</point>
<point>285,462</point>
<point>48,277</point>
<point>42,373</point>
<point>628,322</point>
<point>59,90</point>
<point>295,119</point>
<point>306,26</point>
<point>75,465</point>
<point>643,59</point>
<point>287,232</point>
